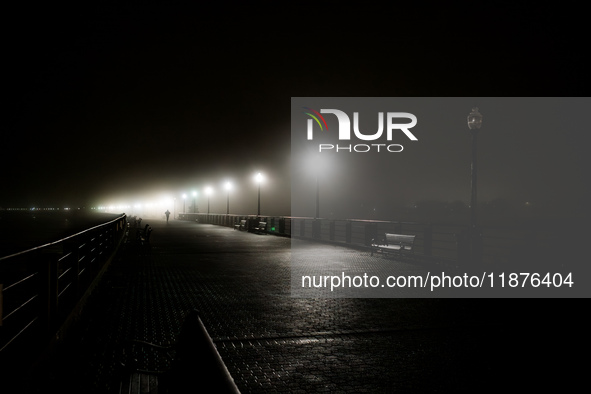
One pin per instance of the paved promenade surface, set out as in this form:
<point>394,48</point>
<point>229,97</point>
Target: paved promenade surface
<point>271,342</point>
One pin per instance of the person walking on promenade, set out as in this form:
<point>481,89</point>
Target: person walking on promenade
<point>167,213</point>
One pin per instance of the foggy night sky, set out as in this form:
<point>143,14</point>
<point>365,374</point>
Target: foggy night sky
<point>116,102</point>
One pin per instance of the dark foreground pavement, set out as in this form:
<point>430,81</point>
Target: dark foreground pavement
<point>271,342</point>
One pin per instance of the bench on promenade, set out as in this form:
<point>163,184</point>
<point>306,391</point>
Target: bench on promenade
<point>393,243</point>
<point>144,235</point>
<point>241,226</point>
<point>260,228</point>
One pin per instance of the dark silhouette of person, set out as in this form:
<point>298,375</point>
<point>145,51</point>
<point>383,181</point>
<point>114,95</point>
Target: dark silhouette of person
<point>167,213</point>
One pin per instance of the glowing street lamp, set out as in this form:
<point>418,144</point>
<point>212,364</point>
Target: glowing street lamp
<point>228,187</point>
<point>474,124</point>
<point>259,178</point>
<point>208,191</point>
<point>194,202</point>
<point>184,198</point>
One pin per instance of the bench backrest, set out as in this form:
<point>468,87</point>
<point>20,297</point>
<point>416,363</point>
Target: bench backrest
<point>395,239</point>
<point>243,222</point>
<point>263,225</point>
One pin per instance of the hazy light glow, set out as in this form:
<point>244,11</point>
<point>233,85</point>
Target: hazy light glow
<point>208,190</point>
<point>228,185</point>
<point>259,177</point>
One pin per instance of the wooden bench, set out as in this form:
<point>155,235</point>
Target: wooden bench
<point>261,228</point>
<point>241,226</point>
<point>393,243</point>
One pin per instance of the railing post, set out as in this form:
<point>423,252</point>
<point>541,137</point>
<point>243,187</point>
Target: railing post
<point>48,293</point>
<point>348,229</point>
<point>316,229</point>
<point>371,230</point>
<point>82,256</point>
<point>76,268</point>
<point>71,248</point>
<point>281,225</point>
<point>463,244</point>
<point>475,248</point>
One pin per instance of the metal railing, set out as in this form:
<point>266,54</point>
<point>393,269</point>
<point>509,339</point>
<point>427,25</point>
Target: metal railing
<point>440,242</point>
<point>41,287</point>
<point>432,240</point>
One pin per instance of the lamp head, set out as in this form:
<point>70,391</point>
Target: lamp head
<point>474,119</point>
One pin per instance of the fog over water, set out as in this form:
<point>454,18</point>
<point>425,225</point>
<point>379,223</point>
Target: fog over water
<point>22,230</point>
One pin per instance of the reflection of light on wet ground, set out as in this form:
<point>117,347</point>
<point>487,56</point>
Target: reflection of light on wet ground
<point>271,341</point>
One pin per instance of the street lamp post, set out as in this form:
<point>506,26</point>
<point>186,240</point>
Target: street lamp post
<point>194,202</point>
<point>474,124</point>
<point>184,199</point>
<point>228,188</point>
<point>317,198</point>
<point>315,164</point>
<point>259,178</point>
<point>208,191</point>
<point>316,222</point>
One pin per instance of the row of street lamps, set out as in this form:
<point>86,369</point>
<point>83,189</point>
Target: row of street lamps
<point>474,124</point>
<point>228,187</point>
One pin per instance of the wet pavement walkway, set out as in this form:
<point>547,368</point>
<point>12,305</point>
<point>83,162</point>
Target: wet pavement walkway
<point>272,342</point>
